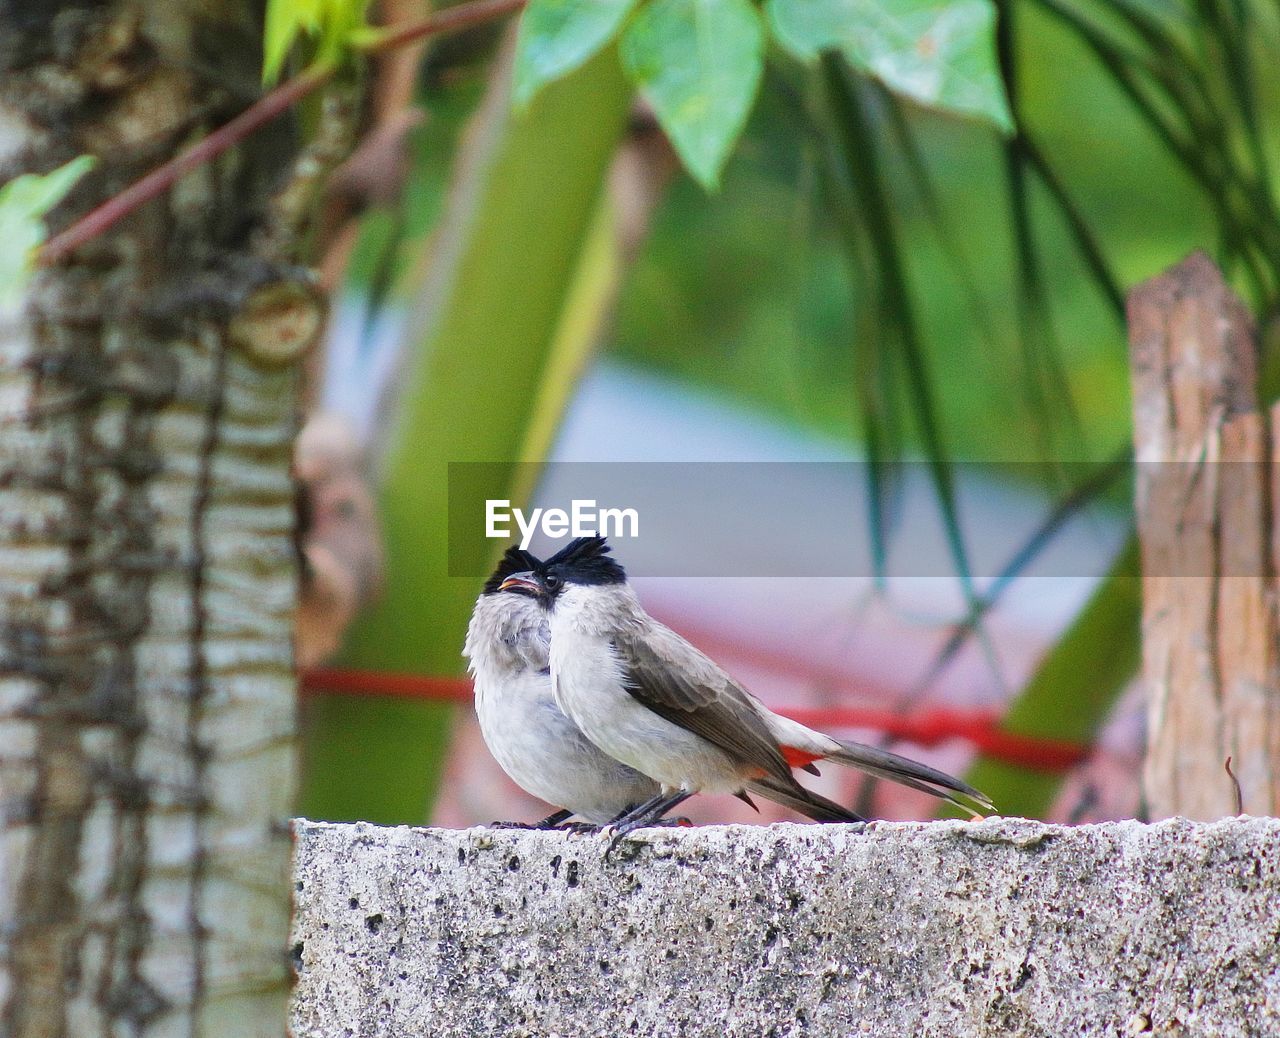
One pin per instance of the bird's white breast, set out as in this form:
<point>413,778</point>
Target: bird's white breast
<point>589,682</point>
<point>529,736</point>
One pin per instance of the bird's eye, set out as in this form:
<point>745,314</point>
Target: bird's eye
<point>552,582</point>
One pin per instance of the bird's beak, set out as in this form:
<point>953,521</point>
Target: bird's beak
<point>525,582</point>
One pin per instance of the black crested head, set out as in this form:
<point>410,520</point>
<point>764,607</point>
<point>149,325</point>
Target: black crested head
<point>584,560</point>
<point>514,560</point>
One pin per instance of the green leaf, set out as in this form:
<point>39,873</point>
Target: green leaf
<point>334,24</point>
<point>558,36</point>
<point>698,63</point>
<point>938,52</point>
<point>24,203</point>
<point>899,328</point>
<point>286,21</point>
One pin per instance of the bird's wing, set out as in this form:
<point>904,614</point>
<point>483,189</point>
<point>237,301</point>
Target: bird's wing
<point>677,682</point>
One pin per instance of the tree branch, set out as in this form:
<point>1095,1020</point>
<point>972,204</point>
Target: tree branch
<point>461,16</point>
<point>267,108</point>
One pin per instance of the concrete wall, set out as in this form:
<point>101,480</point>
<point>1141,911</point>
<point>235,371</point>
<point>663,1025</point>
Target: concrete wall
<point>998,927</point>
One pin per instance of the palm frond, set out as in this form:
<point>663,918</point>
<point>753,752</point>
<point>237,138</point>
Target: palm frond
<point>857,151</point>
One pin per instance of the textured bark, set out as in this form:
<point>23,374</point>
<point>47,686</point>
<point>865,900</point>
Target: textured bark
<point>147,559</point>
<point>1206,515</point>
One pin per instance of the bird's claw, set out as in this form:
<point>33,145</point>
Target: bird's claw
<point>619,831</point>
<point>553,821</point>
<point>578,828</point>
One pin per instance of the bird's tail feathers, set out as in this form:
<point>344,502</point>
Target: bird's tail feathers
<point>906,772</point>
<point>803,801</point>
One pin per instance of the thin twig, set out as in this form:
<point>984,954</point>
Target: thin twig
<point>462,16</point>
<point>160,179</point>
<point>1235,783</point>
<point>267,108</point>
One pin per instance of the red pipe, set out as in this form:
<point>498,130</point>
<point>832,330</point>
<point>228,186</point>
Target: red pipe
<point>926,727</point>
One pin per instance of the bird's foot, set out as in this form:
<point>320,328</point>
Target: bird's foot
<point>579,828</point>
<point>552,821</point>
<point>619,831</point>
<point>644,816</point>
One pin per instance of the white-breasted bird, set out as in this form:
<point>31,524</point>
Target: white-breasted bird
<point>540,748</point>
<point>543,752</point>
<point>648,698</point>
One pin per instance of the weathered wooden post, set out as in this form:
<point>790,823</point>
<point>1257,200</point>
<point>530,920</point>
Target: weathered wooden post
<point>1210,530</point>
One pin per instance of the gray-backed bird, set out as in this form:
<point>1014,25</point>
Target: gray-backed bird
<point>648,698</point>
<point>542,751</point>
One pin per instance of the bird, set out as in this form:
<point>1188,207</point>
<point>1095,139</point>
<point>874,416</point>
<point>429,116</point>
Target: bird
<point>545,753</point>
<point>648,698</point>
<point>507,648</point>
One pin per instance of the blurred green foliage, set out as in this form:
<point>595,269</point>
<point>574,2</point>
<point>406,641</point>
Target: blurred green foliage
<point>24,203</point>
<point>698,62</point>
<point>748,290</point>
<point>558,36</point>
<point>328,25</point>
<point>937,52</point>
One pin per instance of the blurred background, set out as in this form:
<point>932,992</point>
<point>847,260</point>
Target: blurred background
<point>874,282</point>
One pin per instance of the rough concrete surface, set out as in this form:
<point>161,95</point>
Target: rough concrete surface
<point>899,929</point>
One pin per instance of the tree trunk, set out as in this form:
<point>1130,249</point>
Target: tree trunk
<point>147,556</point>
<point>1207,516</point>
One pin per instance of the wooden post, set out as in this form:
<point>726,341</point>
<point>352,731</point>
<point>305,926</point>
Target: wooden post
<point>1206,507</point>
